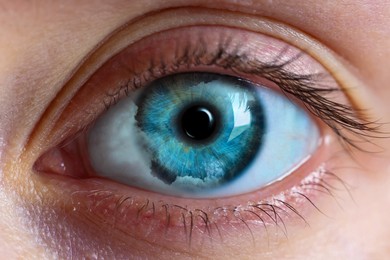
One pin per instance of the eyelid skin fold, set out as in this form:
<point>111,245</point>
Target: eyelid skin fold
<point>181,17</point>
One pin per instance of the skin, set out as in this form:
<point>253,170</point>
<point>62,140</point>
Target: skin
<point>41,44</point>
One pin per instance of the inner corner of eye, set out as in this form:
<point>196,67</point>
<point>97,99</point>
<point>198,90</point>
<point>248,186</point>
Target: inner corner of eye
<point>192,134</point>
<point>66,159</point>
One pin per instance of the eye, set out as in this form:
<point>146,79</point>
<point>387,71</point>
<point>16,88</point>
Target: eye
<point>187,134</point>
<point>201,135</point>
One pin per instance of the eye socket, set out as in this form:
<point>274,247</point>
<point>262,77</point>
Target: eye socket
<point>263,62</point>
<point>201,135</point>
<point>130,215</point>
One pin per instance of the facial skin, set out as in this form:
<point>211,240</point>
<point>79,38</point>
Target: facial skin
<point>42,45</point>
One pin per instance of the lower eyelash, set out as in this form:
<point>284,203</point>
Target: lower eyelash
<point>199,225</point>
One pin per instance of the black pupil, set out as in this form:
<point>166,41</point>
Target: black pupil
<point>198,122</point>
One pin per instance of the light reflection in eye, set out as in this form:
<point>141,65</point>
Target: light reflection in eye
<point>201,135</point>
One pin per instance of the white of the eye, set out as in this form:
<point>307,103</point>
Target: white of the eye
<point>291,137</point>
<point>116,152</point>
<point>114,148</point>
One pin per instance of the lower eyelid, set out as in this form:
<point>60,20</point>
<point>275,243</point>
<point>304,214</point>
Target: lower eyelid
<point>149,216</point>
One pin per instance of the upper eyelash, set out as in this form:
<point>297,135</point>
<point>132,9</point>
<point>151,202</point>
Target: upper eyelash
<point>312,92</point>
<point>311,89</point>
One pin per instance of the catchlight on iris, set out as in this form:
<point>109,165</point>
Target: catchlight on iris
<point>201,135</point>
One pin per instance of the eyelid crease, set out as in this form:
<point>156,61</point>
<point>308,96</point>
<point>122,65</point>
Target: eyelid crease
<point>180,17</point>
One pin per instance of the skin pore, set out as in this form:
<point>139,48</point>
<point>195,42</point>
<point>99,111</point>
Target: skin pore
<point>44,44</point>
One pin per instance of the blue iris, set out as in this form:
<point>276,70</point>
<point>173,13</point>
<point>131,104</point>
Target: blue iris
<point>201,135</point>
<point>223,152</point>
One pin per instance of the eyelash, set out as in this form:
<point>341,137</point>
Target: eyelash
<point>311,89</point>
<point>272,212</point>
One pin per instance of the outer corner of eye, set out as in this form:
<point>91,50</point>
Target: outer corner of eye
<point>197,134</point>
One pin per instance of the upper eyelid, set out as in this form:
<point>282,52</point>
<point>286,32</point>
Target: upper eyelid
<point>311,89</point>
<point>136,31</point>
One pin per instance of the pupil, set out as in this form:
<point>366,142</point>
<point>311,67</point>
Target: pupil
<point>198,123</point>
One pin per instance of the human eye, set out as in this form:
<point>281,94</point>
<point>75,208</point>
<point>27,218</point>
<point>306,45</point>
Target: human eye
<point>295,116</point>
<point>200,135</point>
